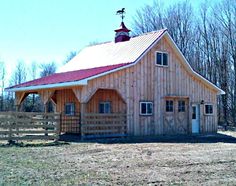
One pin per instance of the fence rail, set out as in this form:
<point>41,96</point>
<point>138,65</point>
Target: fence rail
<point>103,125</point>
<point>29,126</point>
<point>70,124</point>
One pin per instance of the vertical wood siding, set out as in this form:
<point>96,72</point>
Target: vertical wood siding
<point>146,81</point>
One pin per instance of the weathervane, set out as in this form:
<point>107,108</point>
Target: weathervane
<point>121,13</point>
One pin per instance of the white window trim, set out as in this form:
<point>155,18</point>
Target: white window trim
<point>162,59</point>
<point>140,108</point>
<point>105,102</point>
<point>212,109</point>
<point>73,111</point>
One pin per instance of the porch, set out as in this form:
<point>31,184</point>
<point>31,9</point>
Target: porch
<point>49,126</point>
<point>101,113</point>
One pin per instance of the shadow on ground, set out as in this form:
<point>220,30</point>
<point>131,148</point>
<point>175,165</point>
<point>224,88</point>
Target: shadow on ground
<point>34,144</point>
<point>206,138</point>
<point>66,139</point>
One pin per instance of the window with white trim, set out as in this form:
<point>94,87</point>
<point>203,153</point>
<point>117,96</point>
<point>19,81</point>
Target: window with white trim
<point>70,109</point>
<point>162,58</point>
<point>105,107</point>
<point>146,108</point>
<point>169,106</point>
<point>208,109</point>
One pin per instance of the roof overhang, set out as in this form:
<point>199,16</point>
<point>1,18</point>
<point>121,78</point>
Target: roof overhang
<point>48,86</point>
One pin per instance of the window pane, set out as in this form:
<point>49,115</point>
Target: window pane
<point>158,58</point>
<point>107,108</point>
<point>169,106</point>
<point>149,108</point>
<point>194,114</point>
<point>209,109</point>
<point>67,110</point>
<point>181,106</point>
<point>70,109</point>
<point>101,108</point>
<point>165,59</point>
<point>143,108</point>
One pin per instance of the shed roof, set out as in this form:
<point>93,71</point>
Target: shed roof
<point>67,77</point>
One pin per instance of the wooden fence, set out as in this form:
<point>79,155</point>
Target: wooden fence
<point>70,124</point>
<point>103,125</point>
<point>29,126</point>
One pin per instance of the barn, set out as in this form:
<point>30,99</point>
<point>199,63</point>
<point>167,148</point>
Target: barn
<point>133,86</point>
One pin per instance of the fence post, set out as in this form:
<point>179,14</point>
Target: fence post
<point>10,141</point>
<point>82,120</point>
<point>58,126</point>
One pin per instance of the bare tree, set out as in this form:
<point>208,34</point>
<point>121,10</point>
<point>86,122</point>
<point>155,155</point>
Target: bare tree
<point>19,74</point>
<point>2,81</point>
<point>70,56</point>
<point>48,69</point>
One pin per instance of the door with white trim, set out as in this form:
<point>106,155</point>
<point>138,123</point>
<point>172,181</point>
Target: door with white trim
<point>195,119</point>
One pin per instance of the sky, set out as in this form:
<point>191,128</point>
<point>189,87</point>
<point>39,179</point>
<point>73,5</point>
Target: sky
<point>47,30</point>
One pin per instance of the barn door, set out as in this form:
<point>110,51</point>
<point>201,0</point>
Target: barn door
<point>181,115</point>
<point>176,116</point>
<point>169,117</point>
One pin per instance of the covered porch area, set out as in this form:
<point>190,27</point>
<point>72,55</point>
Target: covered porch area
<point>102,113</point>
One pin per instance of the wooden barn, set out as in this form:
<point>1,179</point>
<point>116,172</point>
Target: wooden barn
<point>131,86</point>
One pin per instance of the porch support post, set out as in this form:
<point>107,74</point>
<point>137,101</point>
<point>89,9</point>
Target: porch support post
<point>19,98</point>
<point>82,121</point>
<point>45,97</point>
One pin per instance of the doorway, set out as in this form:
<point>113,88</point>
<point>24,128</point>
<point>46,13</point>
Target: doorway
<point>195,119</point>
<point>176,115</point>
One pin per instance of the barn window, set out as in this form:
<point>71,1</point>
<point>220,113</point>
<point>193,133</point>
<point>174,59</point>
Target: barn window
<point>146,108</point>
<point>208,109</point>
<point>162,58</point>
<point>169,105</point>
<point>181,106</point>
<point>105,107</point>
<point>70,109</point>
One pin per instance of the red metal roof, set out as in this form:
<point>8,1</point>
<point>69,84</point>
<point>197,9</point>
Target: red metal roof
<point>69,76</point>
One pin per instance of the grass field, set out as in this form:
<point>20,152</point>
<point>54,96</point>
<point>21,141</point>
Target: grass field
<point>207,160</point>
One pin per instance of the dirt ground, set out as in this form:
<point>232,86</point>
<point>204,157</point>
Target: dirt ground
<point>194,160</point>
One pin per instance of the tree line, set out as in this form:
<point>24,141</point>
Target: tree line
<point>207,38</point>
<point>22,73</point>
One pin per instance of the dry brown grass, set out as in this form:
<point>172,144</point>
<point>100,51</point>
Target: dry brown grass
<point>207,160</point>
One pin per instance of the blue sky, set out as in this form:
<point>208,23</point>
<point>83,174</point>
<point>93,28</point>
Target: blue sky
<point>47,30</point>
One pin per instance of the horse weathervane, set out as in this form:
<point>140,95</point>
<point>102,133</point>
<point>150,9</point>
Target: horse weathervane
<point>121,13</point>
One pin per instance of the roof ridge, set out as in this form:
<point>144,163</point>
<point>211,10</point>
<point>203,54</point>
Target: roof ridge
<point>151,32</point>
<point>143,34</point>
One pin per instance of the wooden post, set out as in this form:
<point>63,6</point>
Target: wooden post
<point>17,108</point>
<point>82,120</point>
<point>45,111</point>
<point>19,98</point>
<point>202,123</point>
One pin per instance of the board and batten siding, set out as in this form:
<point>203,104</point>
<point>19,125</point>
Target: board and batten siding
<point>106,95</point>
<point>146,81</point>
<point>66,96</point>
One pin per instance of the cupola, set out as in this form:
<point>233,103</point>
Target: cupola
<point>122,33</point>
